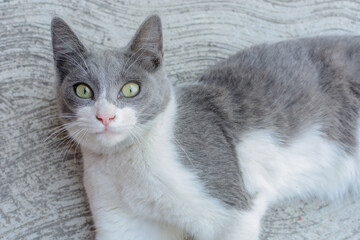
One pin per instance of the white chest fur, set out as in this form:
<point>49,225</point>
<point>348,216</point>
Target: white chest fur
<point>147,183</point>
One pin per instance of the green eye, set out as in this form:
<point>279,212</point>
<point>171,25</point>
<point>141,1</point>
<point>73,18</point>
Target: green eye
<point>130,89</point>
<point>83,91</point>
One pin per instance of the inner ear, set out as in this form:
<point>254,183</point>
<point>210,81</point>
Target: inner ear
<point>146,47</point>
<point>67,49</point>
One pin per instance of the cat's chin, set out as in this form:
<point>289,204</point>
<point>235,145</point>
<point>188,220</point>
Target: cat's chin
<point>109,138</point>
<point>104,141</point>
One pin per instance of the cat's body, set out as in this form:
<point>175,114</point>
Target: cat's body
<point>270,123</point>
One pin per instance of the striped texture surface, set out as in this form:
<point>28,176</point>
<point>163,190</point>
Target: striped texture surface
<point>41,192</point>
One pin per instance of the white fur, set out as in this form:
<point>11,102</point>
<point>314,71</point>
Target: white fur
<point>247,225</point>
<point>310,165</point>
<point>144,193</point>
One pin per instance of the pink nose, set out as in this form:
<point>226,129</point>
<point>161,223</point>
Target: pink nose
<point>105,118</point>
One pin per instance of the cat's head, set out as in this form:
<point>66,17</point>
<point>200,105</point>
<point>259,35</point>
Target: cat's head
<point>109,98</point>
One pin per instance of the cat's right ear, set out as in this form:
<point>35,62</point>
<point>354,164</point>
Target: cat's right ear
<point>146,47</point>
<point>67,48</point>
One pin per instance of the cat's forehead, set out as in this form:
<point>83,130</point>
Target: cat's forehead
<point>107,70</point>
<point>105,63</point>
<point>112,65</point>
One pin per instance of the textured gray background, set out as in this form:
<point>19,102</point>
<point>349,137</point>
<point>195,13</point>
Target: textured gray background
<point>41,194</point>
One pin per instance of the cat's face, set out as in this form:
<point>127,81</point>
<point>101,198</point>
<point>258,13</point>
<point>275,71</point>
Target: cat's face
<point>111,97</point>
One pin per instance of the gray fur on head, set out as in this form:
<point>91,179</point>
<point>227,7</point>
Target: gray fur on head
<point>108,71</point>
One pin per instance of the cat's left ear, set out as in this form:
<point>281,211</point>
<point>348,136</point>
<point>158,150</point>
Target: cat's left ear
<point>146,47</point>
<point>67,48</point>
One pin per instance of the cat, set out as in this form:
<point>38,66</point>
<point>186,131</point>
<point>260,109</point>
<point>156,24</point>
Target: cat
<point>208,158</point>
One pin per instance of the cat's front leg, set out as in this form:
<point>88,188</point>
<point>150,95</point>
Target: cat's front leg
<point>247,226</point>
<point>113,219</point>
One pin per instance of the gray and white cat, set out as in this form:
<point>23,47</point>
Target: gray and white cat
<point>208,158</point>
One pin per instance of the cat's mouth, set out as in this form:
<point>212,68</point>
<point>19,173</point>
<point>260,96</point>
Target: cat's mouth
<point>107,132</point>
<point>109,137</point>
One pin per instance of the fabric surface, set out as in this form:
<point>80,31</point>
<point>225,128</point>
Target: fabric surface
<point>41,191</point>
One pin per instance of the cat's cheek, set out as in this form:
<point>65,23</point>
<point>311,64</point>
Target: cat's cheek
<point>87,115</point>
<point>125,118</point>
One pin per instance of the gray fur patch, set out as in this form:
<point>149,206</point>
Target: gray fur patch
<point>204,129</point>
<point>291,85</point>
